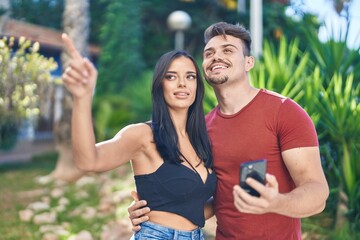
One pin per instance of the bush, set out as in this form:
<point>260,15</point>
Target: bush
<point>24,76</point>
<point>9,128</point>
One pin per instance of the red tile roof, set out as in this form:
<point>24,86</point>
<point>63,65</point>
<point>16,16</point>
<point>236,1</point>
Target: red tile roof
<point>47,37</point>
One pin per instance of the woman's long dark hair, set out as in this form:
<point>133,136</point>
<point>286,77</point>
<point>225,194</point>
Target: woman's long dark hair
<point>165,136</point>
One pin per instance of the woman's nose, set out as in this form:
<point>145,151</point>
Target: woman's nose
<point>182,82</point>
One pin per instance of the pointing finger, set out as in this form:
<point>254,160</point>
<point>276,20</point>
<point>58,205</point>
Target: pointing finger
<point>70,47</point>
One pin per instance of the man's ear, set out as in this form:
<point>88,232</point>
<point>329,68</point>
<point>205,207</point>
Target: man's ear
<point>249,63</point>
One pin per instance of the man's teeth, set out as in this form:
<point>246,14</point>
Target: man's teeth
<point>218,67</point>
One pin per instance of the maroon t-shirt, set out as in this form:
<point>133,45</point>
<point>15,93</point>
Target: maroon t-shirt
<point>264,128</point>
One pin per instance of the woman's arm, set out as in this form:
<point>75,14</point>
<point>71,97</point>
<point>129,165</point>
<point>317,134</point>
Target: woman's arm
<point>80,80</point>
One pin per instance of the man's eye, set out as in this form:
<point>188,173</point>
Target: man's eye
<point>227,51</point>
<point>208,54</point>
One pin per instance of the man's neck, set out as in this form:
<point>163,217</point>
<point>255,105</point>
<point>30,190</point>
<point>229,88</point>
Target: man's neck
<point>232,99</point>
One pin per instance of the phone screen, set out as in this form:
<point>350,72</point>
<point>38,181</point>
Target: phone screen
<point>255,169</point>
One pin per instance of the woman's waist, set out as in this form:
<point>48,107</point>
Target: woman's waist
<point>171,220</point>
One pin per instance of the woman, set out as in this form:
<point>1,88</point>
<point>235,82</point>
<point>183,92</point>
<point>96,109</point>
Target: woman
<point>170,156</point>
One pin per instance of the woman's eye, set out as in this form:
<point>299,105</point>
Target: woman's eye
<point>170,77</point>
<point>192,77</point>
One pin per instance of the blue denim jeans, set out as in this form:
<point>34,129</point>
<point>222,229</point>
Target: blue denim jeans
<point>151,230</point>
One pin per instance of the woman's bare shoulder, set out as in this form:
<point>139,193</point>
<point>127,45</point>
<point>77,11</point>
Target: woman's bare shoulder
<point>137,131</point>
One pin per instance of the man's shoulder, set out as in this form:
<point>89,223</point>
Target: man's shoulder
<point>279,103</point>
<point>272,94</point>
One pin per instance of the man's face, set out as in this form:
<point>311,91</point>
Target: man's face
<point>224,60</point>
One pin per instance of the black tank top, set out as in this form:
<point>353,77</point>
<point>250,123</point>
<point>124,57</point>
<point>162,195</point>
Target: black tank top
<point>177,189</point>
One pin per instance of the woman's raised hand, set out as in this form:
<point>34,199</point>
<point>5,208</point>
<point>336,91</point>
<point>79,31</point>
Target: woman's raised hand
<point>80,75</point>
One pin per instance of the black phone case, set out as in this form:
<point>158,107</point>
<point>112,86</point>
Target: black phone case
<point>254,169</point>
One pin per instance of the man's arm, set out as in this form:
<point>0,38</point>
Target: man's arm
<point>209,208</point>
<point>137,211</point>
<point>308,198</point>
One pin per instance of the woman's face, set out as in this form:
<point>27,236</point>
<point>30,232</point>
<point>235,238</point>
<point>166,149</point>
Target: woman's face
<point>180,84</point>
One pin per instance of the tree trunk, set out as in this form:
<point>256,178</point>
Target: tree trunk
<point>76,24</point>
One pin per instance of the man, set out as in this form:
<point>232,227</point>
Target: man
<point>250,124</point>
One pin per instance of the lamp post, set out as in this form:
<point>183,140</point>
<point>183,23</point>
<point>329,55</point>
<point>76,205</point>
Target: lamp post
<point>256,23</point>
<point>256,26</point>
<point>179,21</point>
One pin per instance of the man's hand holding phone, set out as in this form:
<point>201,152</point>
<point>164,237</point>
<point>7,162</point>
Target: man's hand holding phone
<point>257,189</point>
<point>252,169</point>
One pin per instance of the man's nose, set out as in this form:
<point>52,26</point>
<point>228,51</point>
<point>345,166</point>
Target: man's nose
<point>217,56</point>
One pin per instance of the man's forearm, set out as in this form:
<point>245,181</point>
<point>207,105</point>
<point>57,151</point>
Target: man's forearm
<point>304,201</point>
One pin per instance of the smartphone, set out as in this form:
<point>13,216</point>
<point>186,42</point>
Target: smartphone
<point>255,169</point>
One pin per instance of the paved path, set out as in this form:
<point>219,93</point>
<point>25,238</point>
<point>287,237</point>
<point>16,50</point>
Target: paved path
<point>24,150</point>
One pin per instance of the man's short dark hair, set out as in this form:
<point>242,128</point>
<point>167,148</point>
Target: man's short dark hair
<point>235,30</point>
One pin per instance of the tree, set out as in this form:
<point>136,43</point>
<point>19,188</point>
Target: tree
<point>42,12</point>
<point>76,23</point>
<point>120,60</point>
<point>48,13</point>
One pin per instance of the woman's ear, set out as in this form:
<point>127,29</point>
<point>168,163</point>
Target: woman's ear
<point>249,63</point>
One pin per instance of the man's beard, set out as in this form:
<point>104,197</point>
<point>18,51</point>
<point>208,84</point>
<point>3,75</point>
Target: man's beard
<point>217,80</point>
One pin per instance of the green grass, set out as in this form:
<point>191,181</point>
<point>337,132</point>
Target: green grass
<point>16,180</point>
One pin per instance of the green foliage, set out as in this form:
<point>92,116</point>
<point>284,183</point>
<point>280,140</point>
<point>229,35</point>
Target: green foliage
<point>97,16</point>
<point>282,70</point>
<point>278,24</point>
<point>24,74</point>
<point>336,105</point>
<point>210,100</point>
<point>333,57</point>
<point>48,13</point>
<point>121,38</point>
<point>345,233</point>
<point>9,124</point>
<point>42,12</point>
<point>115,111</point>
<point>339,108</point>
<point>139,97</point>
<point>110,115</point>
